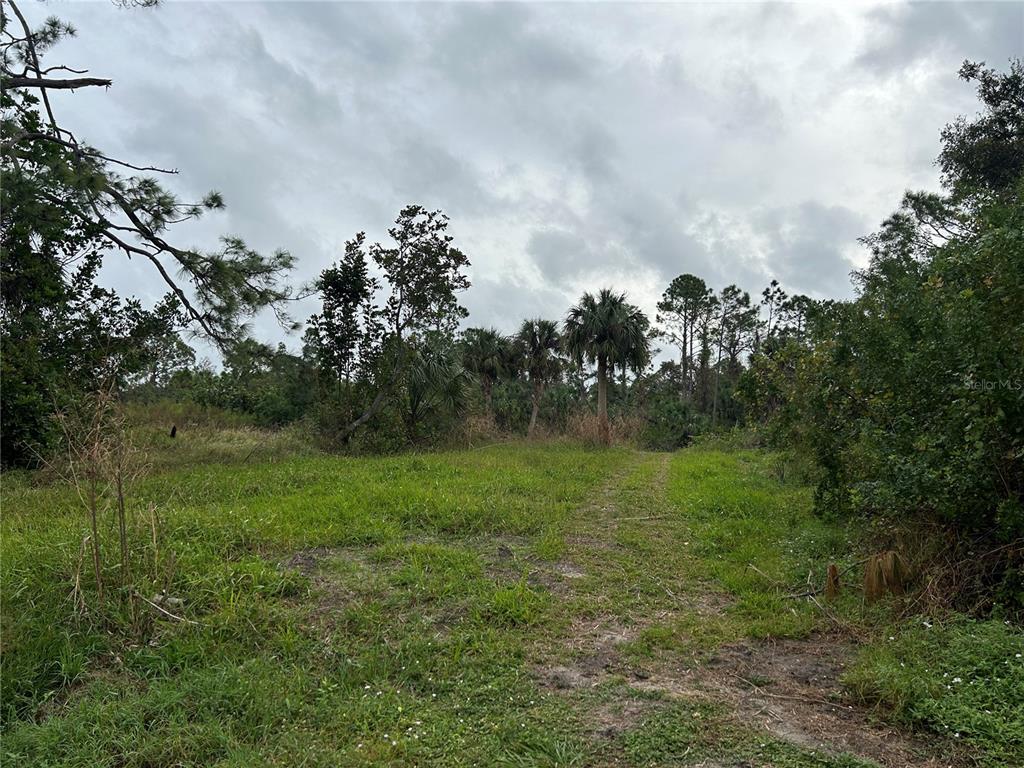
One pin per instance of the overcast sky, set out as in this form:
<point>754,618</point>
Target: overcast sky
<point>573,145</point>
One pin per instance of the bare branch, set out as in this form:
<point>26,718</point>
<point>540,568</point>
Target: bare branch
<point>69,84</point>
<point>30,42</point>
<point>90,152</point>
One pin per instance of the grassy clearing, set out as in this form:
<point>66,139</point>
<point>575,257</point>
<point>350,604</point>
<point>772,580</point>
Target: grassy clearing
<point>257,677</point>
<point>401,611</point>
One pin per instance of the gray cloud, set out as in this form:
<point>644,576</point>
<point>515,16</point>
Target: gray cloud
<point>574,146</point>
<point>902,34</point>
<point>808,246</point>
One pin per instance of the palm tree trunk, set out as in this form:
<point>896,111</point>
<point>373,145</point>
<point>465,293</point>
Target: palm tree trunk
<point>538,392</point>
<point>602,400</point>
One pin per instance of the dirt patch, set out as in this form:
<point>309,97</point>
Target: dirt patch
<point>567,570</point>
<point>509,558</point>
<point>307,561</point>
<point>791,690</point>
<point>594,655</point>
<point>614,718</point>
<point>330,595</point>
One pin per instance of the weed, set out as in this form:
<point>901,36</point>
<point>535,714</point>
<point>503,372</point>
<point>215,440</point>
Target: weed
<point>963,679</point>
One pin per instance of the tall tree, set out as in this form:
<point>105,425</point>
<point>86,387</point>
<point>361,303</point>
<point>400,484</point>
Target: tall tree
<point>774,301</point>
<point>538,342</point>
<point>341,336</point>
<point>910,396</point>
<point>65,208</point>
<point>679,311</point>
<point>983,156</point>
<point>706,322</point>
<point>736,327</point>
<point>422,275</point>
<point>607,330</point>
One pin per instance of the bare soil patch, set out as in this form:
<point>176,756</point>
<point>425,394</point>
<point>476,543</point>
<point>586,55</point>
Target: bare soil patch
<point>788,688</point>
<point>791,689</point>
<point>330,595</point>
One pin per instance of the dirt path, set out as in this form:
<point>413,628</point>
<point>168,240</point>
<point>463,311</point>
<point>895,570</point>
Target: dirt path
<point>615,589</point>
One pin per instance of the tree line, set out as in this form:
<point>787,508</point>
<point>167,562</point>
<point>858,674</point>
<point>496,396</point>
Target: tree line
<point>907,399</point>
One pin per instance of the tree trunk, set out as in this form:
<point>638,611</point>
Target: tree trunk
<point>375,405</point>
<point>487,385</point>
<point>538,392</point>
<point>602,401</point>
<point>685,361</point>
<point>718,375</point>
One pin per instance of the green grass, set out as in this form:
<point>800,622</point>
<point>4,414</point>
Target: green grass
<point>257,679</point>
<point>423,594</point>
<point>693,733</point>
<point>962,678</point>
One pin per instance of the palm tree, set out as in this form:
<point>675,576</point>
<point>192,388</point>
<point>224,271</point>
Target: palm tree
<point>484,353</point>
<point>610,331</point>
<point>435,380</point>
<point>538,343</point>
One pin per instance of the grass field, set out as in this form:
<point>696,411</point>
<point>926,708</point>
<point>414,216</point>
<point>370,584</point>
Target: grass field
<point>522,605</point>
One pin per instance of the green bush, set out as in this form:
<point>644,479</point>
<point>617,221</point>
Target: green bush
<point>671,423</point>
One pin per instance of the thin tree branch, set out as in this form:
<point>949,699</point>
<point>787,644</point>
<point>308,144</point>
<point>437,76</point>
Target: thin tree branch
<point>90,152</point>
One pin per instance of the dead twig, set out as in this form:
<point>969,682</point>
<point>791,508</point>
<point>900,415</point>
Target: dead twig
<point>166,612</point>
<point>754,568</point>
<point>801,699</point>
<point>819,590</point>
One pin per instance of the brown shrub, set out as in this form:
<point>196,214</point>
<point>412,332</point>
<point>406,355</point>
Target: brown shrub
<point>585,427</point>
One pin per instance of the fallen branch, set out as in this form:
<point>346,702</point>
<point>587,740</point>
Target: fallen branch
<point>166,612</point>
<point>753,567</point>
<point>802,699</point>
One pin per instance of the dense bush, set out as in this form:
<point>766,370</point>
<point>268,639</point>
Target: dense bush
<point>670,423</point>
<point>911,397</point>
